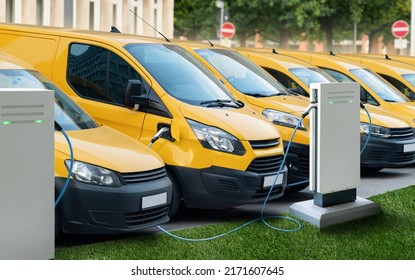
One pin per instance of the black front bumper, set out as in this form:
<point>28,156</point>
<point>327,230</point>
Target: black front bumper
<point>298,164</point>
<point>221,188</point>
<point>91,209</point>
<point>386,152</point>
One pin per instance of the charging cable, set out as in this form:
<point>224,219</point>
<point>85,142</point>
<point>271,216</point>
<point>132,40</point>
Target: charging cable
<point>65,185</point>
<point>370,128</point>
<point>262,217</point>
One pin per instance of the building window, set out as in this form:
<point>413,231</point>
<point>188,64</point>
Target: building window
<point>39,12</point>
<point>91,15</point>
<point>68,20</point>
<point>10,10</point>
<point>137,7</point>
<point>114,14</point>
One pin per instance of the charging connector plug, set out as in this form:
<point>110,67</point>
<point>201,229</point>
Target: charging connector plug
<point>163,130</point>
<point>312,105</point>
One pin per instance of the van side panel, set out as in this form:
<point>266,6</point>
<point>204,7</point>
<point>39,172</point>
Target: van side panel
<point>37,50</point>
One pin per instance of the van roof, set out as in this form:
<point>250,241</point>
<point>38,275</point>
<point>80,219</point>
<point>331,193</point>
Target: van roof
<point>10,62</point>
<point>120,38</point>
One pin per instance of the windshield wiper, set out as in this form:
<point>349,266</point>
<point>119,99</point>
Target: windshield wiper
<point>264,95</point>
<point>219,103</point>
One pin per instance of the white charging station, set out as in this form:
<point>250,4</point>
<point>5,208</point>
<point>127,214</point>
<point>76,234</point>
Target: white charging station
<point>26,174</point>
<point>334,157</point>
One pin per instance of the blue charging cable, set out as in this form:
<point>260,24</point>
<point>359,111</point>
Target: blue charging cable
<point>65,185</point>
<point>369,132</point>
<point>262,218</point>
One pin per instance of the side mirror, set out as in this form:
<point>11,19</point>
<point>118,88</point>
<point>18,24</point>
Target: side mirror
<point>134,94</point>
<point>363,95</point>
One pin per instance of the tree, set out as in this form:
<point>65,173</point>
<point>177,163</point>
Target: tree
<point>378,17</point>
<point>281,21</point>
<point>195,19</point>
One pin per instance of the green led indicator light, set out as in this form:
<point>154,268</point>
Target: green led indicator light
<point>350,101</point>
<point>38,121</point>
<point>331,102</point>
<point>6,122</point>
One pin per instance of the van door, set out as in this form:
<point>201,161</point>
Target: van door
<point>96,77</point>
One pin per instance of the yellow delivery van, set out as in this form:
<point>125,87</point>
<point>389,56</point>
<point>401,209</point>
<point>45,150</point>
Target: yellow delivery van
<point>374,89</point>
<point>218,151</point>
<point>256,87</point>
<point>381,150</point>
<point>117,185</point>
<point>400,74</point>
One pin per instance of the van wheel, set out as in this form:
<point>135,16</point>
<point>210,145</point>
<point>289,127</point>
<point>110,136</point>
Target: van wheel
<point>176,199</point>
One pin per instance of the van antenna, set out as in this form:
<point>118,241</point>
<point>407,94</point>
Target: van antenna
<point>211,44</point>
<point>115,29</point>
<point>150,26</point>
<point>332,53</point>
<point>274,51</point>
<point>387,57</point>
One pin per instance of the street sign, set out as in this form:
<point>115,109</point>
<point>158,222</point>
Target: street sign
<point>227,30</point>
<point>400,29</point>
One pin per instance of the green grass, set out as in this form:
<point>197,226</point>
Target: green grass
<point>387,236</point>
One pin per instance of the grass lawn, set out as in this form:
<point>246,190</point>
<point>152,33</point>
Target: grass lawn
<point>387,236</point>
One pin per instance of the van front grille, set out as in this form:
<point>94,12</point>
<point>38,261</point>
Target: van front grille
<point>145,176</point>
<point>402,133</point>
<point>262,193</point>
<point>266,165</point>
<point>264,144</point>
<point>146,216</point>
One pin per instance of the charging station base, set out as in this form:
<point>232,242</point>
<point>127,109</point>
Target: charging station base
<point>323,217</point>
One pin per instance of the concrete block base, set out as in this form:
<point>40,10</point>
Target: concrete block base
<point>323,217</point>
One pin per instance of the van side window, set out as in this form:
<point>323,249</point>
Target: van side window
<point>286,81</point>
<point>399,85</point>
<point>97,73</point>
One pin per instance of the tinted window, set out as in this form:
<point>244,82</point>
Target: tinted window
<point>97,73</point>
<point>286,81</point>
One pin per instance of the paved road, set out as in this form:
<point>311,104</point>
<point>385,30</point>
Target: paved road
<point>371,184</point>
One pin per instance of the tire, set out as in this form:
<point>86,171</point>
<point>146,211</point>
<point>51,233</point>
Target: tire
<point>176,199</point>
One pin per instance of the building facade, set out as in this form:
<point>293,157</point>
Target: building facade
<point>142,17</point>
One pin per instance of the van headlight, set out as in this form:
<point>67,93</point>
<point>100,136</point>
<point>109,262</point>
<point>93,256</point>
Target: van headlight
<point>375,131</point>
<point>91,174</point>
<point>216,139</point>
<point>281,118</point>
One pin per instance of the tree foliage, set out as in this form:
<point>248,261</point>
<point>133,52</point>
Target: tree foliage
<point>284,20</point>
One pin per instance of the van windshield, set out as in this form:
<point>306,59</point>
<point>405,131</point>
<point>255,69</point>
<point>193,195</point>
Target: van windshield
<point>181,75</point>
<point>67,114</point>
<point>242,74</point>
<point>379,86</point>
<point>312,75</point>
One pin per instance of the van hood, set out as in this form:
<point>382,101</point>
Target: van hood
<point>244,123</point>
<point>406,111</point>
<point>383,118</point>
<point>105,147</point>
<point>289,104</point>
